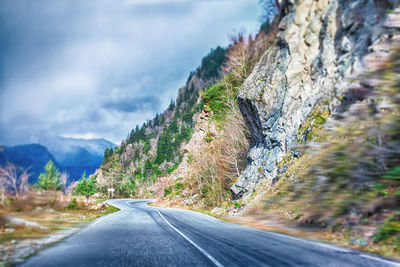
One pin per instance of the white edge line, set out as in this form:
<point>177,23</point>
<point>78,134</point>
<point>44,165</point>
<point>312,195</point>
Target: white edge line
<point>336,248</point>
<point>217,263</point>
<point>312,242</point>
<point>106,216</point>
<point>102,218</point>
<point>391,263</point>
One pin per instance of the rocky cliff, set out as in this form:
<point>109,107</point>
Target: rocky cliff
<point>320,46</point>
<point>300,126</point>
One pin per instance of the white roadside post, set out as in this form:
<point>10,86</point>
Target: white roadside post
<point>110,192</point>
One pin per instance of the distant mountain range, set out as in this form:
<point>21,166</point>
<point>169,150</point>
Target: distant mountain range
<point>71,155</point>
<point>32,157</point>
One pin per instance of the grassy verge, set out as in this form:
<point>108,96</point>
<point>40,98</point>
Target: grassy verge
<point>23,232</point>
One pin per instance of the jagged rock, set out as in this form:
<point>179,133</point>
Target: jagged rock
<point>319,46</point>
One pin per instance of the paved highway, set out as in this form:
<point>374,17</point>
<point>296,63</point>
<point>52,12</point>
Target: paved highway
<point>142,235</point>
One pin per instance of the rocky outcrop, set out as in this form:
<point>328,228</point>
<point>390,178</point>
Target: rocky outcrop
<point>320,45</point>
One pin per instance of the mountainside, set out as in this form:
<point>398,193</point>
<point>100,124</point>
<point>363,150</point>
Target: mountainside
<point>153,150</point>
<point>72,155</point>
<point>67,151</point>
<point>299,123</point>
<point>34,157</point>
<point>320,46</point>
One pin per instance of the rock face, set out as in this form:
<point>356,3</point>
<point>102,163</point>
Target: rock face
<point>320,45</point>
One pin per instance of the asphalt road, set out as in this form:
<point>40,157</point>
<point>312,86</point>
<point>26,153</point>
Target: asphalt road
<point>142,235</point>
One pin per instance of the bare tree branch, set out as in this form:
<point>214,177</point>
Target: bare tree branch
<point>14,180</point>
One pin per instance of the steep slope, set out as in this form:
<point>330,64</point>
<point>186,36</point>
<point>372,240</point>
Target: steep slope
<point>301,125</point>
<point>320,45</point>
<point>153,150</point>
<point>320,106</point>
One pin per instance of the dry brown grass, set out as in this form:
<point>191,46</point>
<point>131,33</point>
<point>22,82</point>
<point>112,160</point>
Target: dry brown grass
<point>222,156</point>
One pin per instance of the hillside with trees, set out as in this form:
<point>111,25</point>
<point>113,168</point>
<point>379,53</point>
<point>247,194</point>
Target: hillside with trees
<point>153,149</point>
<point>275,123</point>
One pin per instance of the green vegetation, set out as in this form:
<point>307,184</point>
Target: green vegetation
<point>214,100</point>
<point>127,187</point>
<point>390,229</point>
<point>178,186</point>
<point>176,189</point>
<point>154,148</point>
<point>50,179</point>
<point>108,153</point>
<point>312,128</point>
<point>86,185</point>
<point>110,209</point>
<point>266,27</point>
<point>73,205</point>
<point>190,158</point>
<point>392,174</point>
<point>220,98</point>
<point>167,191</point>
<point>211,64</point>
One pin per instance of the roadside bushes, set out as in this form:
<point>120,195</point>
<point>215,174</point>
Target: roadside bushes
<point>127,187</point>
<point>73,205</point>
<point>86,185</point>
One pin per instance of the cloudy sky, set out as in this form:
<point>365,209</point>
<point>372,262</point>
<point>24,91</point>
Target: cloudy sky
<point>96,68</point>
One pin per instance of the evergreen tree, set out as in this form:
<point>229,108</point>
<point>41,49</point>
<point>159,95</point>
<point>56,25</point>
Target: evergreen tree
<point>107,153</point>
<point>211,64</point>
<point>171,105</point>
<point>50,179</point>
<point>86,185</point>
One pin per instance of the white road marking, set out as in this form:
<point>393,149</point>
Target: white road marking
<point>311,242</point>
<point>217,263</point>
<point>104,217</point>
<point>338,249</point>
<point>391,263</point>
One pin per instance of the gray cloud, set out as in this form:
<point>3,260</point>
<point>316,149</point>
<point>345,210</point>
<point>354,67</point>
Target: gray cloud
<point>135,104</point>
<point>97,68</point>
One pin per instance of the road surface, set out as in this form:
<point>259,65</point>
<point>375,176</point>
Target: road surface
<point>142,235</point>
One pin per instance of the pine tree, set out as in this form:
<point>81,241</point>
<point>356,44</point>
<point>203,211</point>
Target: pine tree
<point>50,179</point>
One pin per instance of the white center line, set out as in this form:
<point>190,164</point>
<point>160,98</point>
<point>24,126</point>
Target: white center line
<point>217,263</point>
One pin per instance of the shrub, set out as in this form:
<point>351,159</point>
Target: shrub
<point>215,101</point>
<point>167,191</point>
<point>73,205</point>
<point>392,174</point>
<point>127,187</point>
<point>190,158</point>
<point>178,186</point>
<point>86,185</point>
<point>391,228</point>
